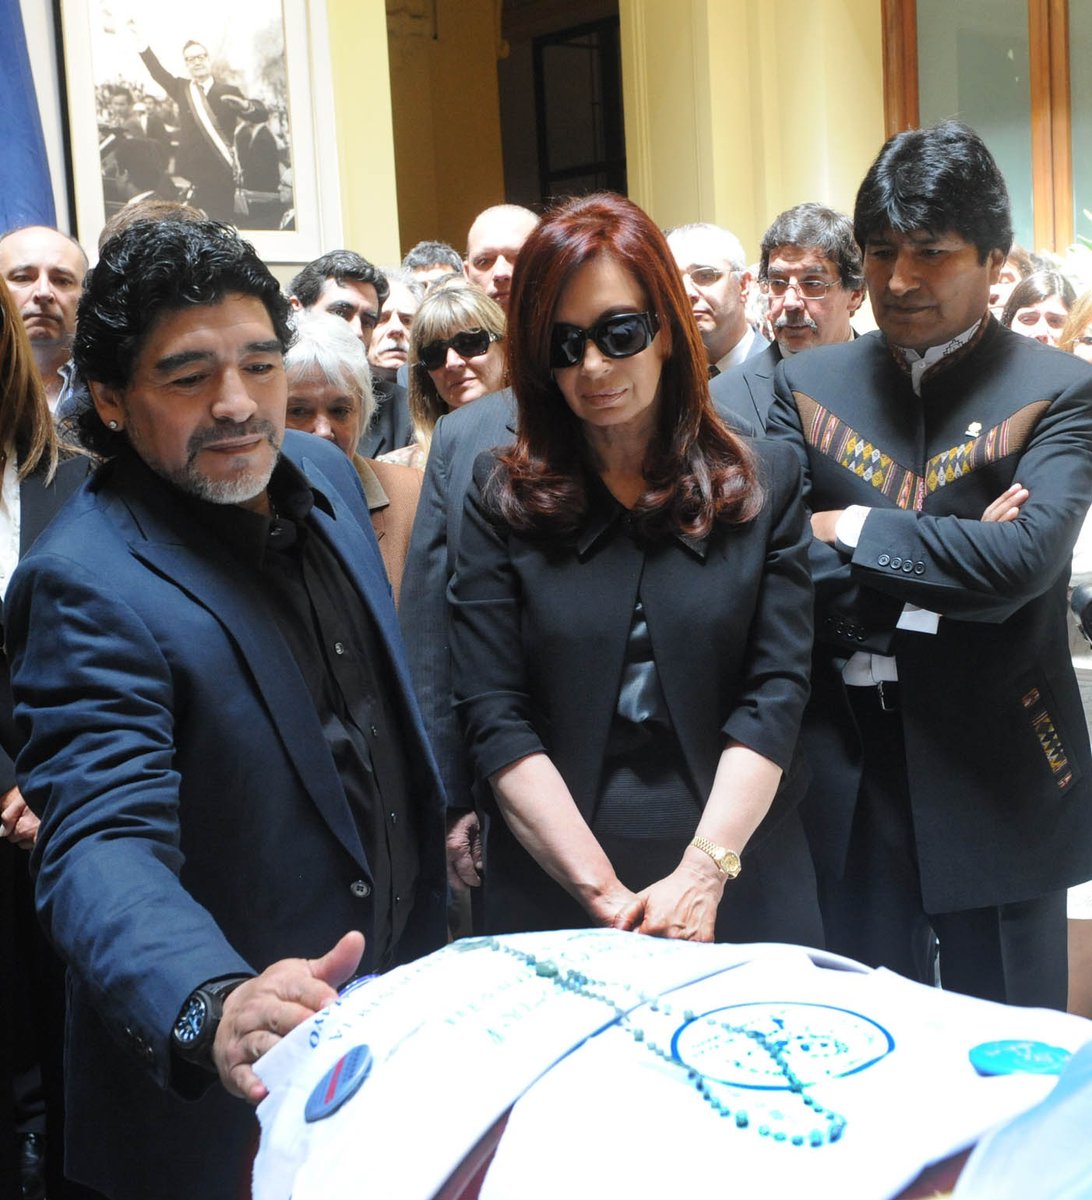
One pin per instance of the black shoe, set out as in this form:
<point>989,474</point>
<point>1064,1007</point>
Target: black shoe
<point>32,1166</point>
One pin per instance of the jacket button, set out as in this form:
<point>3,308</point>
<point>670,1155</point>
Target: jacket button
<point>884,559</point>
<point>919,568</point>
<point>360,888</point>
<point>907,566</point>
<point>896,562</point>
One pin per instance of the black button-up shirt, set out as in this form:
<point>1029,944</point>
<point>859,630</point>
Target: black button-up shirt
<point>341,656</point>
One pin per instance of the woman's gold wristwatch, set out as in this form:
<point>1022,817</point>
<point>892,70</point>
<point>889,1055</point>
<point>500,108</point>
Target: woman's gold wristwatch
<point>727,860</point>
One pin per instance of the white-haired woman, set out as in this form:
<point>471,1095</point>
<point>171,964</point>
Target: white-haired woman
<point>330,395</point>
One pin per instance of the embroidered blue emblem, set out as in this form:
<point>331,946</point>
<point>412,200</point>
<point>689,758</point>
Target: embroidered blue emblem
<point>339,1084</point>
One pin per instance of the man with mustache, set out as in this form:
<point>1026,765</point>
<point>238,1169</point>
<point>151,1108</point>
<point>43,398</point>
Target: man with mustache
<point>219,732</point>
<point>43,269</point>
<point>811,272</point>
<point>389,347</point>
<point>948,468</point>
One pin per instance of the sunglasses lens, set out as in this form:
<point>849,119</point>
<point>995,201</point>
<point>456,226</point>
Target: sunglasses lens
<point>567,346</point>
<point>470,345</point>
<point>467,345</point>
<point>623,336</point>
<point>433,355</point>
<point>617,337</point>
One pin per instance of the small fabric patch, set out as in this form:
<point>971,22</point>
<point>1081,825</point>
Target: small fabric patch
<point>1049,740</point>
<point>340,1084</point>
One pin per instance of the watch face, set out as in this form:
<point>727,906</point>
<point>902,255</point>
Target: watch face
<point>187,1028</point>
<point>729,864</point>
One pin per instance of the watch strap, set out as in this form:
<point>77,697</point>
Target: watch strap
<point>205,1005</point>
<point>727,860</point>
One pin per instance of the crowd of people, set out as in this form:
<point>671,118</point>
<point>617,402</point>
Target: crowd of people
<point>590,577</point>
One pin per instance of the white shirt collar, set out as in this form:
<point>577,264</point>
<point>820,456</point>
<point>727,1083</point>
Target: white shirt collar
<point>738,352</point>
<point>920,363</point>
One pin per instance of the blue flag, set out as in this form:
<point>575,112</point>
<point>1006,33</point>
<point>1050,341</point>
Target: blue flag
<point>26,195</point>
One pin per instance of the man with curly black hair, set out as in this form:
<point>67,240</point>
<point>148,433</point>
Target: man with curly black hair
<point>219,731</point>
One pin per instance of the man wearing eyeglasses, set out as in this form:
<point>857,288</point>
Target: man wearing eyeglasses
<point>810,270</point>
<point>344,284</point>
<point>948,467</point>
<point>715,275</point>
<point>208,112</point>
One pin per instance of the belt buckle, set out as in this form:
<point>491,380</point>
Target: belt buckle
<point>889,701</point>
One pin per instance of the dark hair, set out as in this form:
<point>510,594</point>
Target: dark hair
<point>25,419</point>
<point>830,232</point>
<point>1020,259</point>
<point>152,208</point>
<point>938,179</point>
<point>432,254</point>
<point>1033,288</point>
<point>152,268</point>
<point>340,266</point>
<point>697,471</point>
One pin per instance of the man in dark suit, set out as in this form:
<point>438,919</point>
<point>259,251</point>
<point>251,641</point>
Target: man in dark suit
<point>948,467</point>
<point>207,114</point>
<point>811,271</point>
<point>44,268</point>
<point>217,723</point>
<point>714,273</point>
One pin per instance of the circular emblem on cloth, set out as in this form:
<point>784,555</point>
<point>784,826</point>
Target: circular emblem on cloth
<point>1014,1057</point>
<point>733,1045</point>
<point>339,1084</point>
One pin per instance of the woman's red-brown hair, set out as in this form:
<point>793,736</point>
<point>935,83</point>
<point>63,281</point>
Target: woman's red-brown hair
<point>25,420</point>
<point>697,471</point>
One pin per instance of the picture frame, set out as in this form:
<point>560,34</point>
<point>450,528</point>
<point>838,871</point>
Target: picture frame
<point>139,128</point>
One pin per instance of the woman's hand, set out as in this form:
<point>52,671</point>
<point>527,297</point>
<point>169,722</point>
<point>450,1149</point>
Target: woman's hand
<point>685,903</point>
<point>617,909</point>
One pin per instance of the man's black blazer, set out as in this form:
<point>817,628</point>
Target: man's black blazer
<point>997,751</point>
<point>747,389</point>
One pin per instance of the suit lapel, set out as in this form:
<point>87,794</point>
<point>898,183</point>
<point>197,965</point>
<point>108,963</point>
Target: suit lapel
<point>350,535</point>
<point>206,571</point>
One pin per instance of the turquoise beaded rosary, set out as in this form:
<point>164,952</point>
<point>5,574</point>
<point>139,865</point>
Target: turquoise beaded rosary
<point>575,982</point>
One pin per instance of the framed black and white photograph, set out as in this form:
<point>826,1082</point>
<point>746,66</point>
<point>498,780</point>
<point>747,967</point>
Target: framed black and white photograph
<point>213,104</point>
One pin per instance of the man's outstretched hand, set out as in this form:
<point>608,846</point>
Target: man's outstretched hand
<point>258,1013</point>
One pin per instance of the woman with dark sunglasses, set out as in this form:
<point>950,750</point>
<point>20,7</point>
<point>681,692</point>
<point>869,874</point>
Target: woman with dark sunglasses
<point>456,355</point>
<point>632,615</point>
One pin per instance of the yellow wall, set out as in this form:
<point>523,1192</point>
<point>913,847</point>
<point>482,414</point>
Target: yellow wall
<point>737,109</point>
<point>734,110</point>
<point>365,141</point>
<point>447,136</point>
